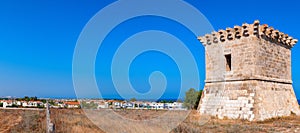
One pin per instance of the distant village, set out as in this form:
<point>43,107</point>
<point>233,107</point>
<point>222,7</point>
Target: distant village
<point>33,102</point>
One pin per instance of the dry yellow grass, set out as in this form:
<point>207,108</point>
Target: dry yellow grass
<point>140,114</point>
<point>75,121</point>
<point>192,124</point>
<point>283,124</point>
<point>32,121</point>
<point>72,121</point>
<point>9,120</point>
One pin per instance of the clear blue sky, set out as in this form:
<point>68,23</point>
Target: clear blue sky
<point>37,40</point>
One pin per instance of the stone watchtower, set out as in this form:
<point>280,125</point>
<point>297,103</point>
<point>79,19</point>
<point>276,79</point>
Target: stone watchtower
<point>248,73</point>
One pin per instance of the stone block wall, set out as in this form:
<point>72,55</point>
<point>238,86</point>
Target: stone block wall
<point>252,58</point>
<point>258,85</point>
<point>249,100</point>
<point>243,60</point>
<point>273,61</point>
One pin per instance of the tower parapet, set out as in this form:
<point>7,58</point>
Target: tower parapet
<point>248,30</point>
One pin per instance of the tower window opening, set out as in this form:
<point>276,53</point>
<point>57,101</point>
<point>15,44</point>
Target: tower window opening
<point>228,62</point>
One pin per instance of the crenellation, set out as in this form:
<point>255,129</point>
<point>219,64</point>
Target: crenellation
<point>284,38</point>
<point>256,27</point>
<point>281,34</point>
<point>263,29</point>
<point>294,41</point>
<point>238,31</point>
<point>223,35</point>
<point>230,33</point>
<point>215,37</point>
<point>247,30</point>
<point>275,34</point>
<point>269,31</point>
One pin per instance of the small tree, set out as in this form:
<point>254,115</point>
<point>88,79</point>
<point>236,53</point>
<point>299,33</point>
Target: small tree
<point>198,99</point>
<point>132,100</point>
<point>44,100</point>
<point>51,102</point>
<point>26,98</point>
<point>33,98</point>
<point>192,98</point>
<point>179,100</point>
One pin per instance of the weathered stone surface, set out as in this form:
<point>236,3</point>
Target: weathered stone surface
<point>248,73</point>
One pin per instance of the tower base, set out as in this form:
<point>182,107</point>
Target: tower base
<point>252,100</point>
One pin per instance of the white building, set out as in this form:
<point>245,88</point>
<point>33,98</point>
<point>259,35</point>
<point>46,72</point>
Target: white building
<point>117,104</point>
<point>31,103</point>
<point>18,103</point>
<point>103,105</point>
<point>4,104</point>
<point>175,106</point>
<point>128,105</point>
<point>71,104</point>
<point>155,105</point>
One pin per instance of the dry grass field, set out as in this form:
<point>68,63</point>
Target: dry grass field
<point>72,121</point>
<point>24,121</point>
<point>190,125</point>
<point>75,121</point>
<point>140,114</point>
<point>284,124</point>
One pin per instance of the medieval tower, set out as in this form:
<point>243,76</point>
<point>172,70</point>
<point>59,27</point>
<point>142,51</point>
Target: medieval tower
<point>248,73</point>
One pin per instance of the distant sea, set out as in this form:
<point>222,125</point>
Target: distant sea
<point>105,98</point>
<point>298,101</point>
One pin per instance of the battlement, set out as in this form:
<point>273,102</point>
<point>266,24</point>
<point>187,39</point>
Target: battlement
<point>248,30</point>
